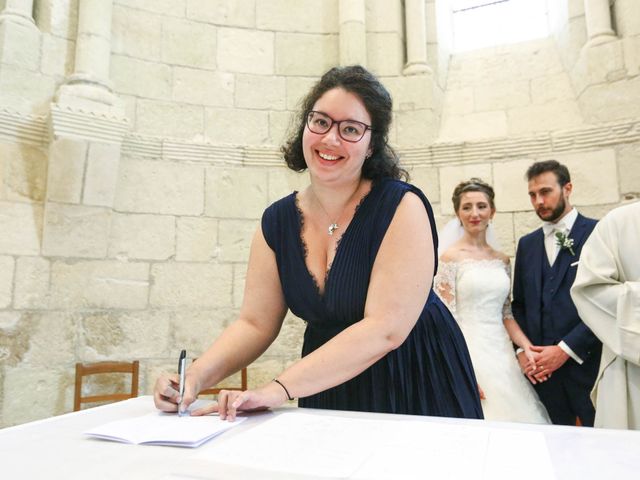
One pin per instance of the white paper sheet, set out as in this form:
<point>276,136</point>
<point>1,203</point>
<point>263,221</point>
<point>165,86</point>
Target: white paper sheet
<point>336,447</point>
<point>164,429</point>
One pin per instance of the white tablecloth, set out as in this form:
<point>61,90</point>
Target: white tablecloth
<point>56,448</point>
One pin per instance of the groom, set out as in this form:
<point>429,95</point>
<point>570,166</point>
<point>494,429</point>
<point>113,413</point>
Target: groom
<point>567,353</point>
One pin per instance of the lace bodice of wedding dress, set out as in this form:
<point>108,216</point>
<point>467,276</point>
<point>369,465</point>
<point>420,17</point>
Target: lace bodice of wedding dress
<point>477,293</point>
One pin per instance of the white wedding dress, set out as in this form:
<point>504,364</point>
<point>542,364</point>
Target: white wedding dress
<point>477,293</point>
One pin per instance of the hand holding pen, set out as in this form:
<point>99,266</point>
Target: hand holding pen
<point>182,366</point>
<point>174,392</point>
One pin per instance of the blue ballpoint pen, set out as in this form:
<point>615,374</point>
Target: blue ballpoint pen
<point>181,372</point>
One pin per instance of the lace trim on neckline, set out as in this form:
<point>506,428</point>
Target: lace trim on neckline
<point>305,248</point>
<point>444,282</point>
<point>466,261</point>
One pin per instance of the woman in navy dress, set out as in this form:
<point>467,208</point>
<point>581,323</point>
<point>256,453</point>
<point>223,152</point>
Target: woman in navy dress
<point>353,255</point>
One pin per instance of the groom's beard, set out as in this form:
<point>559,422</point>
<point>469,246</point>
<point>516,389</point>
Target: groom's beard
<point>554,214</point>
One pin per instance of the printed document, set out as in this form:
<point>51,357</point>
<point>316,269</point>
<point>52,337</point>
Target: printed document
<point>164,429</point>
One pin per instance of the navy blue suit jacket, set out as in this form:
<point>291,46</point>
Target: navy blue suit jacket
<point>527,291</point>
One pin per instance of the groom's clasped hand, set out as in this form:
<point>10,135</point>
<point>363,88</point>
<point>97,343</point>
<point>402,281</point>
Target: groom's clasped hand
<point>539,362</point>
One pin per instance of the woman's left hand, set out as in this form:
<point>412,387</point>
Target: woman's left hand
<point>531,367</point>
<point>230,402</point>
<point>481,393</point>
<point>549,358</point>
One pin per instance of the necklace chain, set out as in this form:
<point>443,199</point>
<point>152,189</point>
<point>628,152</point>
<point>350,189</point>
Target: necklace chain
<point>333,226</point>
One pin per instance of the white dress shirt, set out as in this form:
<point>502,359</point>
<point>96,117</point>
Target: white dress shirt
<point>564,225</point>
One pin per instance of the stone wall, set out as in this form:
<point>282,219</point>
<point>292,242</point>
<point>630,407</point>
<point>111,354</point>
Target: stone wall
<point>132,180</point>
<point>197,71</point>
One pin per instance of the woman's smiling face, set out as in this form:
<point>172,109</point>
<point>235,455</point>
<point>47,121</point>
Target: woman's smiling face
<point>329,157</point>
<point>475,212</point>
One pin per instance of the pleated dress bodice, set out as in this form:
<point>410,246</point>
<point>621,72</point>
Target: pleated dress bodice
<point>430,373</point>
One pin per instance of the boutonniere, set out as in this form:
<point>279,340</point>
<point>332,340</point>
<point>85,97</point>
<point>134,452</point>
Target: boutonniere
<point>564,242</point>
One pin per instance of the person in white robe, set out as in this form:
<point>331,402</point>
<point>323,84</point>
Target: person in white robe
<point>606,293</point>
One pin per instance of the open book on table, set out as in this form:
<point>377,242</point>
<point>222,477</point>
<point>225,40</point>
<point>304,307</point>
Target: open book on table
<point>164,429</point>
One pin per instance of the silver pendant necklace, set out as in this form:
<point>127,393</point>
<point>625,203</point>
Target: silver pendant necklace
<point>333,226</point>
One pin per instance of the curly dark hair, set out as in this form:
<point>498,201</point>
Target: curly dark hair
<point>559,170</point>
<point>474,184</point>
<point>383,161</point>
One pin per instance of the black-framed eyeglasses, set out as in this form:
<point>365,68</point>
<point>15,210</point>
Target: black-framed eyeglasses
<point>349,130</point>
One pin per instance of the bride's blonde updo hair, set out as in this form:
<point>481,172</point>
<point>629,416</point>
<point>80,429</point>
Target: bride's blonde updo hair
<point>474,184</point>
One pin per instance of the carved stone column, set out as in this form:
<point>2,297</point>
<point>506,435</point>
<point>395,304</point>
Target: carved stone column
<point>353,35</point>
<point>19,36</point>
<point>598,19</point>
<point>87,127</point>
<point>21,10</point>
<point>627,19</point>
<point>90,78</point>
<point>414,11</point>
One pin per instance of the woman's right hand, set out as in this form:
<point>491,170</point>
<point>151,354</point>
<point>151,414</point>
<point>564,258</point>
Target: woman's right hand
<point>166,395</point>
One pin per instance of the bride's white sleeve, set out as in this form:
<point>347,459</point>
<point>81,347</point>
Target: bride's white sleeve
<point>506,308</point>
<point>444,284</point>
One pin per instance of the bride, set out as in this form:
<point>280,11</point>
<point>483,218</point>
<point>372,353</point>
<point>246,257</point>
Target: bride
<point>474,281</point>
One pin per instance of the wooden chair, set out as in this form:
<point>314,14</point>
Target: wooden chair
<point>100,368</point>
<point>224,386</point>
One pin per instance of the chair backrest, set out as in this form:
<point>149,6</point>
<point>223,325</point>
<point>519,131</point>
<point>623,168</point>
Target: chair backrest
<point>225,385</point>
<point>86,369</point>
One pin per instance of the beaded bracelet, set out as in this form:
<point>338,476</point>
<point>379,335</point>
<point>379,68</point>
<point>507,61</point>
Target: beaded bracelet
<point>285,388</point>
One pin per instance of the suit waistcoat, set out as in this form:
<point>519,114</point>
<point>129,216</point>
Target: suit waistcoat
<point>550,334</point>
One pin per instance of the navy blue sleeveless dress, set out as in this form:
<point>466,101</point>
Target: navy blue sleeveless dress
<point>430,373</point>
